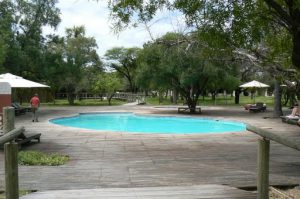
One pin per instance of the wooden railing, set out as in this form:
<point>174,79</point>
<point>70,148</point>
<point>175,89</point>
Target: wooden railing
<point>129,97</point>
<point>264,157</point>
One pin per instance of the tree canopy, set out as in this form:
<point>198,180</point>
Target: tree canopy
<point>245,22</point>
<point>123,60</point>
<point>22,42</point>
<point>227,42</point>
<point>78,52</point>
<point>181,62</point>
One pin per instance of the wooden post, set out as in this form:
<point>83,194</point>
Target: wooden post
<point>263,169</point>
<point>8,119</point>
<point>11,171</point>
<point>11,156</point>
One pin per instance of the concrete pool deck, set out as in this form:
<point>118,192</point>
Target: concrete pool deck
<point>124,160</point>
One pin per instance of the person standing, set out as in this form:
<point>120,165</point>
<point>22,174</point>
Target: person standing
<point>35,104</point>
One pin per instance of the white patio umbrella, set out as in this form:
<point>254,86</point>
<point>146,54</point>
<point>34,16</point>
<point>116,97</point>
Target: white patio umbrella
<point>254,84</point>
<point>19,82</point>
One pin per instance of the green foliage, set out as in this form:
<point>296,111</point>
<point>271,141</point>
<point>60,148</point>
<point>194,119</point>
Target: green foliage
<point>73,54</point>
<point>245,22</point>
<point>39,158</point>
<point>180,62</point>
<point>123,60</point>
<point>6,22</point>
<point>23,22</point>
<point>107,83</point>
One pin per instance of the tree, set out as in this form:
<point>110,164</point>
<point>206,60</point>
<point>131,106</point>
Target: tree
<point>181,62</point>
<point>54,62</point>
<point>287,14</point>
<point>107,83</point>
<point>123,60</point>
<point>248,23</point>
<point>21,39</point>
<point>6,32</point>
<point>78,53</point>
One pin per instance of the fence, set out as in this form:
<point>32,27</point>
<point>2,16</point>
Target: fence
<point>129,97</point>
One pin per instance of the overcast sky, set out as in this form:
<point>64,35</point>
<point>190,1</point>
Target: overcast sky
<point>95,17</point>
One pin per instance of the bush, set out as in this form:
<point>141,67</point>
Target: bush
<point>39,158</point>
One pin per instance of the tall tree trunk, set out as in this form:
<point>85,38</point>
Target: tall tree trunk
<point>71,98</point>
<point>110,96</point>
<point>70,94</point>
<point>131,85</point>
<point>277,100</point>
<point>237,96</point>
<point>213,96</point>
<point>175,96</point>
<point>192,103</point>
<point>296,47</point>
<point>160,97</point>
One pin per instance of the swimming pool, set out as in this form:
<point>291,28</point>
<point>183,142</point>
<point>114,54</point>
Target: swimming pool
<point>130,122</point>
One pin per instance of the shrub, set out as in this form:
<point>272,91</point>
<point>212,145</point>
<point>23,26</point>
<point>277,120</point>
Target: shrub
<point>39,158</point>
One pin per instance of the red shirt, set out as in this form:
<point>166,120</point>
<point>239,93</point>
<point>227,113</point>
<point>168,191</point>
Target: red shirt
<point>35,101</point>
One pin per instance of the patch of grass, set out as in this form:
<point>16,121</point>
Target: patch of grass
<point>85,102</point>
<point>165,101</point>
<point>220,100</point>
<point>38,158</point>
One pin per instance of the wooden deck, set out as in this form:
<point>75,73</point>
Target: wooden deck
<point>178,192</point>
<point>124,160</point>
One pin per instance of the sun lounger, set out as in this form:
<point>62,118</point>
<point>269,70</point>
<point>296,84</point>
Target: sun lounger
<point>18,106</point>
<point>187,110</point>
<point>258,107</point>
<point>28,138</point>
<point>18,109</point>
<point>290,119</point>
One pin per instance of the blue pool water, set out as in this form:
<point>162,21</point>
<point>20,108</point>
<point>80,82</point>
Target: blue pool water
<point>130,122</point>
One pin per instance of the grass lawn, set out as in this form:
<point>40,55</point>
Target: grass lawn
<point>85,102</point>
<point>220,100</point>
<point>206,101</point>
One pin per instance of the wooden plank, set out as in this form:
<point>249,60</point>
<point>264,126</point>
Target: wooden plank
<point>292,143</point>
<point>174,192</point>
<point>106,159</point>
